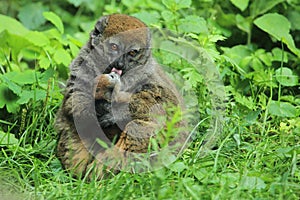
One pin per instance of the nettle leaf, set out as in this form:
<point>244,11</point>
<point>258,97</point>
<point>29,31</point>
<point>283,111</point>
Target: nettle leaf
<point>241,4</point>
<point>26,77</point>
<point>61,56</point>
<point>251,183</point>
<point>178,167</point>
<point>16,42</point>
<point>31,15</point>
<point>12,26</point>
<point>282,109</point>
<point>243,23</point>
<point>8,99</point>
<point>168,15</point>
<point>148,17</point>
<point>37,38</point>
<point>7,139</point>
<point>277,55</point>
<point>175,5</point>
<point>259,7</point>
<point>192,76</point>
<point>11,85</point>
<point>270,24</point>
<point>55,20</point>
<point>294,17</point>
<point>286,77</point>
<point>27,95</point>
<point>192,24</point>
<point>237,53</point>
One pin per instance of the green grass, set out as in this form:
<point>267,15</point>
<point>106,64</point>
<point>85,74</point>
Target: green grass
<point>247,163</point>
<point>258,153</point>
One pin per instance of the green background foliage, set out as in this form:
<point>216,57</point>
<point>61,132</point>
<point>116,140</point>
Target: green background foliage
<point>255,45</point>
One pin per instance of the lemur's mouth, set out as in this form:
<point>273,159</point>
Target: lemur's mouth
<point>118,71</point>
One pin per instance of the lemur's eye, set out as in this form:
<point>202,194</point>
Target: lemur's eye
<point>114,47</point>
<point>133,52</point>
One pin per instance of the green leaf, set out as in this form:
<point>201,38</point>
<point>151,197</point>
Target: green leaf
<point>26,77</point>
<point>277,55</point>
<point>294,16</point>
<point>8,99</point>
<point>25,97</point>
<point>55,20</point>
<point>12,26</point>
<point>251,183</point>
<point>7,139</point>
<point>282,109</point>
<point>270,24</point>
<point>61,56</point>
<point>175,5</point>
<point>241,4</point>
<point>36,94</point>
<point>168,15</point>
<point>286,77</point>
<point>148,17</point>
<point>10,84</point>
<point>259,7</point>
<point>37,38</point>
<point>31,15</point>
<point>192,24</point>
<point>178,167</point>
<point>243,23</point>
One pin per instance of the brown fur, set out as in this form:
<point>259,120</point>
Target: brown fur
<point>144,90</point>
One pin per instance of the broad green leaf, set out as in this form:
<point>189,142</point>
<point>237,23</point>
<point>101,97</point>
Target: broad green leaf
<point>26,77</point>
<point>55,20</point>
<point>61,56</point>
<point>10,84</point>
<point>7,139</point>
<point>286,77</point>
<point>74,49</point>
<point>8,99</point>
<point>259,7</point>
<point>12,26</point>
<point>37,38</point>
<point>44,62</point>
<point>277,55</point>
<point>31,15</point>
<point>168,15</point>
<point>15,42</point>
<point>36,94</point>
<point>46,75</point>
<point>241,4</point>
<point>243,23</point>
<point>294,16</point>
<point>277,26</point>
<point>148,17</point>
<point>25,96</point>
<point>178,167</point>
<point>175,5</point>
<point>282,109</point>
<point>237,53</point>
<point>252,183</point>
<point>192,24</point>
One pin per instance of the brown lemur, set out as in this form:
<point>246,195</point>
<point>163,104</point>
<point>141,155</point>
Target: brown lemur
<point>118,48</point>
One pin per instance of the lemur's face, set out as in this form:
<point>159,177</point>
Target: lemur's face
<point>125,51</point>
<point>124,40</point>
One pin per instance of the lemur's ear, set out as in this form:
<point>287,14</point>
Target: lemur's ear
<point>97,33</point>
